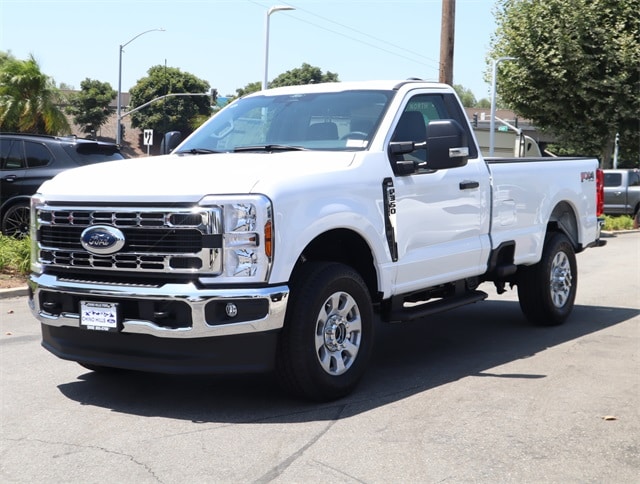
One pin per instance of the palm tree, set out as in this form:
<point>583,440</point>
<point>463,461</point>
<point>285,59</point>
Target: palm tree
<point>29,100</point>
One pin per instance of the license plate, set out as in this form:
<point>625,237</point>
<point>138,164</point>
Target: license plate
<point>99,316</point>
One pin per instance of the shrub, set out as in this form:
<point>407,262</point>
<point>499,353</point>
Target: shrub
<point>15,254</point>
<point>618,222</point>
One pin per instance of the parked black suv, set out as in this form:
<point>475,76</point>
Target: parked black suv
<point>27,160</point>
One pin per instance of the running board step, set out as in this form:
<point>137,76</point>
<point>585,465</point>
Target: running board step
<point>441,305</point>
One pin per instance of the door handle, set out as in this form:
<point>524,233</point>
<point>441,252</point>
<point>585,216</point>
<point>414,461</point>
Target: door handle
<point>9,178</point>
<point>469,184</point>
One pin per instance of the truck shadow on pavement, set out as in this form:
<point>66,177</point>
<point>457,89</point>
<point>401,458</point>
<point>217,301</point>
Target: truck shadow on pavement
<point>409,359</point>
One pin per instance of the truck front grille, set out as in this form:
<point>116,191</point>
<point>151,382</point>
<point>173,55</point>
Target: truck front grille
<point>184,240</point>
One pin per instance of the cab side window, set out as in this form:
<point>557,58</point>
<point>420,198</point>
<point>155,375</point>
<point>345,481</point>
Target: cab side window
<point>37,155</point>
<point>414,121</point>
<point>412,125</point>
<point>11,155</point>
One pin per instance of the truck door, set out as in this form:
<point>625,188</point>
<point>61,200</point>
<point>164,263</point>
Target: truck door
<point>615,192</point>
<point>441,217</point>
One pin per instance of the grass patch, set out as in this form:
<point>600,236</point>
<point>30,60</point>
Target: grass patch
<point>618,222</point>
<point>15,255</point>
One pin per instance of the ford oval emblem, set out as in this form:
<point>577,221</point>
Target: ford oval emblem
<point>102,239</point>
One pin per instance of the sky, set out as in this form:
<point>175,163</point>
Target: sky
<point>223,41</point>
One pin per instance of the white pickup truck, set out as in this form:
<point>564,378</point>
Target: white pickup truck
<point>280,233</point>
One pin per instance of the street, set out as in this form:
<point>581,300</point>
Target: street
<point>472,395</point>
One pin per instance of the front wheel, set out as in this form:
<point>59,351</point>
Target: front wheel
<point>328,334</point>
<point>15,222</point>
<point>547,290</point>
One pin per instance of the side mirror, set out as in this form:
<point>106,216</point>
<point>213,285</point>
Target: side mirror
<point>447,145</point>
<point>405,167</point>
<point>170,141</point>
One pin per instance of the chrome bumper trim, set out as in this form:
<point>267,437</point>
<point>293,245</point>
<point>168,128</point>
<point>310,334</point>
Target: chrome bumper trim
<point>196,299</point>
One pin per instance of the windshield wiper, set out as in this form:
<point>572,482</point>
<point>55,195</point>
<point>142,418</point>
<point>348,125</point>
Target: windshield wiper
<point>268,148</point>
<point>197,151</point>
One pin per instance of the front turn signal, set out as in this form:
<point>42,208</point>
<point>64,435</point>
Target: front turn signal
<point>268,240</point>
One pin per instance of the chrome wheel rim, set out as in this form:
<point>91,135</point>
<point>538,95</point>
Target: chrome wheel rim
<point>338,333</point>
<point>17,225</point>
<point>561,280</point>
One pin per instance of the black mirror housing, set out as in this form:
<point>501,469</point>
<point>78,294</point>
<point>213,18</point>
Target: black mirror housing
<point>446,147</point>
<point>170,141</point>
<point>447,144</point>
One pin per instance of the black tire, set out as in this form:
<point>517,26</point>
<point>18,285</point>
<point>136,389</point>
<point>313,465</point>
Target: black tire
<point>327,339</point>
<point>16,220</point>
<point>547,290</point>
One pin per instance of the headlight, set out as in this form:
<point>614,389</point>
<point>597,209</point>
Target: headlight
<point>247,240</point>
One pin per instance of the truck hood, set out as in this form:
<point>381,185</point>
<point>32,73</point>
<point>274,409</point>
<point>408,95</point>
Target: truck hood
<point>186,178</point>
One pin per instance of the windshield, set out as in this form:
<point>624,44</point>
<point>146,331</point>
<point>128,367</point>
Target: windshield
<point>337,121</point>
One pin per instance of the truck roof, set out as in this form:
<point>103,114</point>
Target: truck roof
<point>353,85</point>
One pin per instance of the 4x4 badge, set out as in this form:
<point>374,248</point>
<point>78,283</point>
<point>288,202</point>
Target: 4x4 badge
<point>102,239</point>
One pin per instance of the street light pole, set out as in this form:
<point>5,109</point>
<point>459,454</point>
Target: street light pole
<point>119,101</point>
<point>266,41</point>
<point>492,120</point>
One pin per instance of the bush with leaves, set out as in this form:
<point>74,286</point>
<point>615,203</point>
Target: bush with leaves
<point>15,255</point>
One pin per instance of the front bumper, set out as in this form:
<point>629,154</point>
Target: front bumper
<point>169,328</point>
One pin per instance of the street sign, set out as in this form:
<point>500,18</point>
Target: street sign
<point>148,137</point>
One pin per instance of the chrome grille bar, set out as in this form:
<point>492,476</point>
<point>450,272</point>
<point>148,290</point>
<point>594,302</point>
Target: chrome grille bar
<point>156,239</point>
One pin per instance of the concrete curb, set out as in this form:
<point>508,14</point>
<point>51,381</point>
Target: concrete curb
<point>14,292</point>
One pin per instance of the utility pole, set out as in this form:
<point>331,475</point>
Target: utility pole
<point>447,35</point>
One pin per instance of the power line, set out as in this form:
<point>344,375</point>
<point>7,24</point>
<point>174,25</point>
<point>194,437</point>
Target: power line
<point>297,18</point>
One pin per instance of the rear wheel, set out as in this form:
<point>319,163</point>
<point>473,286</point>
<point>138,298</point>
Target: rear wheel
<point>328,334</point>
<point>15,222</point>
<point>547,290</point>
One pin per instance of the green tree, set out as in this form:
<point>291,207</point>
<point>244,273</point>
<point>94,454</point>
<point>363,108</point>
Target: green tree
<point>90,107</point>
<point>174,113</point>
<point>576,70</point>
<point>483,103</point>
<point>29,100</point>
<point>4,57</point>
<point>466,96</point>
<point>248,89</point>
<point>306,74</point>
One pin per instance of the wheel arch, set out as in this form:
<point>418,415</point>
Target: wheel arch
<point>564,219</point>
<point>347,247</point>
<point>13,201</point>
